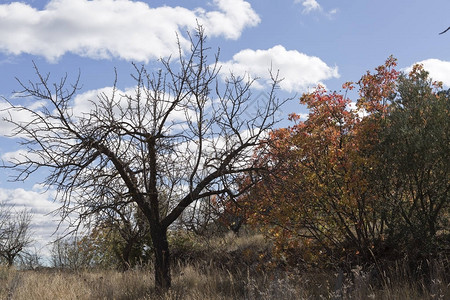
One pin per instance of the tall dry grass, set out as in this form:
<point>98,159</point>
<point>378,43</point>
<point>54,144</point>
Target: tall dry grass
<point>213,277</point>
<point>191,282</point>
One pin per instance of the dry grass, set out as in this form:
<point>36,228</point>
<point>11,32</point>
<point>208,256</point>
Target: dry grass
<point>190,283</point>
<point>74,285</point>
<point>205,279</point>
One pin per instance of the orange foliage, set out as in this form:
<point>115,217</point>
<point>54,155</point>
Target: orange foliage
<point>317,188</point>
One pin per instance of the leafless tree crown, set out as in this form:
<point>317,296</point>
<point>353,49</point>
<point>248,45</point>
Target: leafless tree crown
<point>179,132</point>
<point>180,136</point>
<point>15,234</point>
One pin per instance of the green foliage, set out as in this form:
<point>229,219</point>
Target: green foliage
<point>119,245</point>
<point>364,183</point>
<point>414,153</point>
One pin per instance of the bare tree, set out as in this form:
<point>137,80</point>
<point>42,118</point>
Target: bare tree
<point>71,252</point>
<point>15,233</point>
<point>180,136</point>
<point>31,259</point>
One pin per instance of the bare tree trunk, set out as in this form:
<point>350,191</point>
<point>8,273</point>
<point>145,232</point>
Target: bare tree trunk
<point>10,260</point>
<point>162,258</point>
<point>168,134</point>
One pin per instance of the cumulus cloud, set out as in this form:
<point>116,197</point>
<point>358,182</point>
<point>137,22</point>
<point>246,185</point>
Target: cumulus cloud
<point>309,5</point>
<point>130,30</point>
<point>18,115</point>
<point>233,17</point>
<point>299,70</point>
<point>41,205</point>
<point>85,102</point>
<point>439,69</point>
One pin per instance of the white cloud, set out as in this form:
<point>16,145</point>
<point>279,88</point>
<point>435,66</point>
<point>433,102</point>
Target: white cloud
<point>233,17</point>
<point>309,5</point>
<point>333,12</point>
<point>439,69</point>
<point>299,70</point>
<point>303,116</point>
<point>21,155</point>
<point>14,155</point>
<point>41,204</point>
<point>124,29</point>
<point>17,115</point>
<point>84,103</point>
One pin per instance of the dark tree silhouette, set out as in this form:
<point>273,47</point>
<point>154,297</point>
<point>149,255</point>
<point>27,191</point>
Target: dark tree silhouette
<point>15,233</point>
<point>179,137</point>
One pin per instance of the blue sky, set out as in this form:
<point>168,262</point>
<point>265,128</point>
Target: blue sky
<point>309,41</point>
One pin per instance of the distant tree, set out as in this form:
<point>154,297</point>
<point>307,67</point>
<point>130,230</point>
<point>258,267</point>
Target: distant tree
<point>229,215</point>
<point>199,217</point>
<point>121,237</point>
<point>178,137</point>
<point>72,252</point>
<point>30,259</point>
<point>15,233</point>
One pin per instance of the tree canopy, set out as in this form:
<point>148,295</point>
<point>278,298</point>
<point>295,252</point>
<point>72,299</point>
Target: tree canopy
<point>360,179</point>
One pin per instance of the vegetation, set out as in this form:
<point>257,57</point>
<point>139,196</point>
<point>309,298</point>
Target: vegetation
<point>352,202</point>
<point>15,235</point>
<point>360,184</point>
<point>227,267</point>
<point>175,140</point>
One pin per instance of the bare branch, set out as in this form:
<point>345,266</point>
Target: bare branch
<point>179,136</point>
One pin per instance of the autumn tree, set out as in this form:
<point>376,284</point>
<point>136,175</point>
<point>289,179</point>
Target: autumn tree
<point>179,136</point>
<point>351,180</point>
<point>317,189</point>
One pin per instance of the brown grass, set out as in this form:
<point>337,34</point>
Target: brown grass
<point>239,279</point>
<point>190,282</point>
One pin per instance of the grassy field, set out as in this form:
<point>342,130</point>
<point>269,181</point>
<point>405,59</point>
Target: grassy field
<point>229,269</point>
